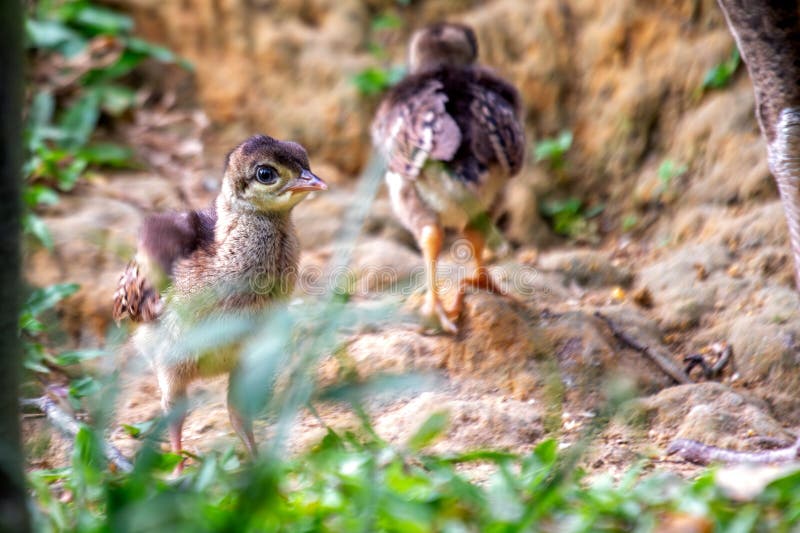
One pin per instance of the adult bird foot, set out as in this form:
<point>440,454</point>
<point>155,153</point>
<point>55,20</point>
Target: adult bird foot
<point>482,281</point>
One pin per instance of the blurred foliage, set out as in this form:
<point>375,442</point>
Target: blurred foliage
<point>721,75</point>
<point>39,358</point>
<point>570,217</point>
<point>374,80</point>
<point>81,54</point>
<point>553,150</point>
<point>668,170</point>
<point>354,481</point>
<point>629,222</point>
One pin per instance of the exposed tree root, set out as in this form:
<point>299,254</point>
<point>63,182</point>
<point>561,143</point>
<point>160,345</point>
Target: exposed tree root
<point>667,366</point>
<point>703,454</point>
<point>67,424</point>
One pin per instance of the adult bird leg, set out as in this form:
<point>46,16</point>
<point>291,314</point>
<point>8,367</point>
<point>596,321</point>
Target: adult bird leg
<point>433,311</point>
<point>768,36</point>
<point>480,279</point>
<point>242,423</point>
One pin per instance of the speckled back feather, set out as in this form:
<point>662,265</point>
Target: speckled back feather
<point>464,116</point>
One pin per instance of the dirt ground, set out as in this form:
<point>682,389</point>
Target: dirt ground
<point>688,254</point>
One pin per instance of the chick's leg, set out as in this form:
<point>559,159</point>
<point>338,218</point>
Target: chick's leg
<point>241,422</point>
<point>173,404</point>
<point>433,311</point>
<point>480,279</point>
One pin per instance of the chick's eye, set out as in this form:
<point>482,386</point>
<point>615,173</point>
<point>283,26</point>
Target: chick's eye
<point>266,175</point>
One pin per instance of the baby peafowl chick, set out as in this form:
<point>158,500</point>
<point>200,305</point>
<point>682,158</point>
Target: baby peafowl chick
<point>451,134</point>
<point>237,257</point>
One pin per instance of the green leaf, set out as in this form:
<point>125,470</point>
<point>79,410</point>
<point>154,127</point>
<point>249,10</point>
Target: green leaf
<point>553,150</point>
<point>148,49</point>
<point>720,75</point>
<point>42,108</point>
<point>570,206</point>
<point>98,20</point>
<point>45,298</point>
<point>594,210</point>
<point>386,21</point>
<point>116,99</point>
<point>54,35</point>
<point>69,175</point>
<point>80,119</point>
<point>34,357</point>
<point>428,431</point>
<point>83,387</point>
<point>566,215</point>
<point>35,366</point>
<point>547,452</point>
<point>37,194</point>
<point>372,80</point>
<point>668,170</point>
<point>107,154</point>
<point>629,222</point>
<point>87,456</point>
<point>127,61</point>
<point>75,357</point>
<point>33,225</point>
<point>139,429</point>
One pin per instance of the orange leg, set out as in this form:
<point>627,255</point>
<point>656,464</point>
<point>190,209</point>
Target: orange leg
<point>433,311</point>
<point>480,279</point>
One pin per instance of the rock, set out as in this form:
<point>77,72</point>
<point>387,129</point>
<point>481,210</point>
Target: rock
<point>395,351</point>
<point>711,413</point>
<point>475,421</point>
<point>764,331</point>
<point>589,268</point>
<point>590,359</point>
<point>376,266</point>
<point>681,283</point>
<point>531,284</point>
<point>763,225</point>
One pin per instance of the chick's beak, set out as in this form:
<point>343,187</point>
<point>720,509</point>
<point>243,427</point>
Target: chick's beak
<point>306,181</point>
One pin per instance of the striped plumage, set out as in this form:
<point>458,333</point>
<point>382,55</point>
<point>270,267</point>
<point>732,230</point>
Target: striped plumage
<point>452,135</point>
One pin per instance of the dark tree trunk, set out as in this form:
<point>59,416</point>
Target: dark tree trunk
<point>13,509</point>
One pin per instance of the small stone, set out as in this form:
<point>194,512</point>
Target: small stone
<point>735,271</point>
<point>618,294</point>
<point>643,297</point>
